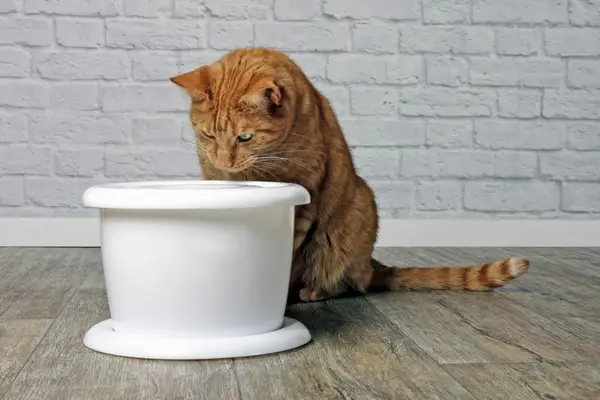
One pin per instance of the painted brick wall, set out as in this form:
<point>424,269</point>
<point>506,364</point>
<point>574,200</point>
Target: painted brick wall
<point>454,108</point>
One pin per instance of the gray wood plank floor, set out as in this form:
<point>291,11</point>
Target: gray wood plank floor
<point>538,338</point>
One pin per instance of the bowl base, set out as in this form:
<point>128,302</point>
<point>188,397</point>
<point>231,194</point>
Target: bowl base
<point>102,338</point>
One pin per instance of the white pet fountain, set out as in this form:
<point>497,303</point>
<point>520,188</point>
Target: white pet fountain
<point>196,269</point>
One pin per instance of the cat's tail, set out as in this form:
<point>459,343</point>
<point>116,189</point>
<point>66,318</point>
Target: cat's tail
<point>475,278</point>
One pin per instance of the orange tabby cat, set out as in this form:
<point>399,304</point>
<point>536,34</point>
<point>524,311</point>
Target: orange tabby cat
<point>257,117</point>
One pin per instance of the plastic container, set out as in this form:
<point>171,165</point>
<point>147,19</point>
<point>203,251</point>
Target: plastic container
<point>196,269</point>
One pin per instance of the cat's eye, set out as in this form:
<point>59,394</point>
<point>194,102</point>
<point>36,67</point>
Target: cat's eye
<point>244,137</point>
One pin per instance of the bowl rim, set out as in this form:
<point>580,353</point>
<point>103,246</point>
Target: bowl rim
<point>194,194</point>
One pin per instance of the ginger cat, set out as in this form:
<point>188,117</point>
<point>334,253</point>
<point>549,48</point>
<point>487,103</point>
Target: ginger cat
<point>257,117</point>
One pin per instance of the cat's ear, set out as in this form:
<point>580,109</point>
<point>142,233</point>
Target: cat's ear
<point>273,93</point>
<point>196,82</point>
<point>264,93</point>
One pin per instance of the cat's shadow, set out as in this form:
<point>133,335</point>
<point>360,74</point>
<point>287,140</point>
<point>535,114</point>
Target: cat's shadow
<point>327,318</point>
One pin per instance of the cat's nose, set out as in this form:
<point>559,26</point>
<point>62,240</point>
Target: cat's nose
<point>224,160</point>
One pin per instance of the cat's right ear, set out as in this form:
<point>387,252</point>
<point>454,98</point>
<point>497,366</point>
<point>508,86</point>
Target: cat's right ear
<point>196,82</point>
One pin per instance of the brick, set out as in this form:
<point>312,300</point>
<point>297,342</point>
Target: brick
<point>146,8</point>
<point>518,41</point>
<point>25,159</point>
<point>150,162</point>
<point>154,66</point>
<point>382,132</point>
<point>446,11</point>
<point>447,71</point>
<point>438,196</point>
<point>516,72</point>
<point>518,103</point>
<point>74,96</point>
<point>73,65</point>
<point>156,130</point>
<point>507,134</point>
<point>584,12</point>
<point>584,74</point>
<point>581,197</point>
<point>375,38</point>
<point>14,63</point>
<point>297,10</point>
<point>446,163</point>
<point>98,8</point>
<point>584,135</point>
<point>230,35</point>
<point>78,162</point>
<point>358,9</point>
<point>144,97</point>
<point>86,33</point>
<point>8,6</point>
<point>12,191</point>
<point>393,195</point>
<point>374,101</point>
<point>449,133</point>
<point>571,105</point>
<point>511,196</point>
<point>513,164</point>
<point>30,94</point>
<point>444,39</point>
<point>572,42</point>
<point>377,163</point>
<point>57,191</point>
<point>25,31</point>
<point>80,127</point>
<point>583,166</point>
<point>189,8</point>
<point>445,102</point>
<point>338,96</point>
<point>404,70</point>
<point>13,127</point>
<point>314,66</point>
<point>517,11</point>
<point>156,35</point>
<point>191,60</point>
<point>345,68</point>
<point>240,9</point>
<point>302,36</point>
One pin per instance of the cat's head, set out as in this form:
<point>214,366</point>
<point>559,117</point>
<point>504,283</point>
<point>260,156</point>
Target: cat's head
<point>241,106</point>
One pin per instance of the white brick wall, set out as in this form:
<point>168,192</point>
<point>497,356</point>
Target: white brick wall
<point>453,108</point>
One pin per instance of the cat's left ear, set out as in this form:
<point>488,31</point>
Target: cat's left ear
<point>265,92</point>
<point>273,93</point>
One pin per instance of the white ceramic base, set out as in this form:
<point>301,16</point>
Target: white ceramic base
<point>101,337</point>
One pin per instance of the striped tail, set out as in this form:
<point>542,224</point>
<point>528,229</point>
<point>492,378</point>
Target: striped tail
<point>474,278</point>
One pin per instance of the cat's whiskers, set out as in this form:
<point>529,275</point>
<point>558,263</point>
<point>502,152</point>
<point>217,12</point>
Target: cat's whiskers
<point>254,169</point>
<point>196,146</point>
<point>294,151</point>
<point>265,170</point>
<point>268,164</point>
<point>295,161</point>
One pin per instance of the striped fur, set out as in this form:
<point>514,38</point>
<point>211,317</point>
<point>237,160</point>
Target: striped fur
<point>296,137</point>
<point>473,278</point>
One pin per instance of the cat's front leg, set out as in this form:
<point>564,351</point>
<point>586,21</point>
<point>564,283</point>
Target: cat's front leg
<point>305,218</point>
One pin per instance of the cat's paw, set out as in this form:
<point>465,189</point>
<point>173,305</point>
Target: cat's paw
<point>308,294</point>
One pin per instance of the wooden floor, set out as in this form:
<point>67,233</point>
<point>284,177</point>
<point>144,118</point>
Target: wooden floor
<point>539,338</point>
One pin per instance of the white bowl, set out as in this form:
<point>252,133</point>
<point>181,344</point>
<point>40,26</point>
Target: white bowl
<point>196,269</point>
